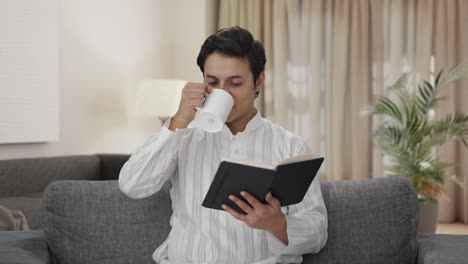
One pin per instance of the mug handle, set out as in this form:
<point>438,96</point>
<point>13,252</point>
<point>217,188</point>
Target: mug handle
<point>199,109</point>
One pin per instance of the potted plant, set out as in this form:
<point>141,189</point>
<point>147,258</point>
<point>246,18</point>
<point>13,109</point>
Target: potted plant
<point>409,133</point>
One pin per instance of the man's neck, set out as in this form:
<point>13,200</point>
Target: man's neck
<point>240,125</point>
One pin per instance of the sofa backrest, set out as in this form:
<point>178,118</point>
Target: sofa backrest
<point>22,181</point>
<point>32,175</point>
<point>369,221</point>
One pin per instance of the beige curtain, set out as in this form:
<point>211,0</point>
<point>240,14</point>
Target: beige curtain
<point>349,144</point>
<point>329,58</point>
<point>311,48</point>
<point>330,41</point>
<point>449,39</point>
<point>267,21</point>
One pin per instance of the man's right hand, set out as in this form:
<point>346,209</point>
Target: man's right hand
<point>193,95</point>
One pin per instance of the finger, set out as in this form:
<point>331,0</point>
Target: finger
<point>232,212</point>
<point>194,92</point>
<point>199,87</point>
<point>195,103</point>
<point>193,84</point>
<point>195,95</point>
<point>245,207</point>
<point>191,93</point>
<point>251,199</point>
<point>197,107</point>
<point>272,200</point>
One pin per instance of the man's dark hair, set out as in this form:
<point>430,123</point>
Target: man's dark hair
<point>235,42</point>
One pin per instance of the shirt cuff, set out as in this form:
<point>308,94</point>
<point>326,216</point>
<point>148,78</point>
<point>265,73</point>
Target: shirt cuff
<point>167,124</point>
<point>277,246</point>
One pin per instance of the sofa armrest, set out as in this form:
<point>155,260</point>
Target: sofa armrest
<point>28,247</point>
<point>442,249</point>
<point>110,165</point>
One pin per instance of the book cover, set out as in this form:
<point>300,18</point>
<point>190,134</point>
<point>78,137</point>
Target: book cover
<point>288,181</point>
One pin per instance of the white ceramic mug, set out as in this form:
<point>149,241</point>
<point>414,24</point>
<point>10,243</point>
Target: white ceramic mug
<point>215,111</point>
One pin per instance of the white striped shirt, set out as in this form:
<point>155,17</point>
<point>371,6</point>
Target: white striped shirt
<point>189,158</point>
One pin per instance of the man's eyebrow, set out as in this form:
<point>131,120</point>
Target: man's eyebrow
<point>236,76</point>
<point>210,76</point>
<point>230,77</point>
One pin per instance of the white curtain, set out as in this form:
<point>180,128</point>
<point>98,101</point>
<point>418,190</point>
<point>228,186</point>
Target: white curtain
<point>329,80</point>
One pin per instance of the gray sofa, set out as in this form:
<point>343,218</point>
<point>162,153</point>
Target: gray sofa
<point>91,221</point>
<point>23,181</point>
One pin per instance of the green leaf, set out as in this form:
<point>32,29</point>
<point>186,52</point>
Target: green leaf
<point>400,84</point>
<point>388,108</point>
<point>437,79</point>
<point>427,200</point>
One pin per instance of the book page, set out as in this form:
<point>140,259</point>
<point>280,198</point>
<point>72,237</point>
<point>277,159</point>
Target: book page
<point>300,158</point>
<point>252,163</point>
<point>308,156</point>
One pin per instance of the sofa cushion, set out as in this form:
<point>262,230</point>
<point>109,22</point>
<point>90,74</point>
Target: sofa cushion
<point>93,222</point>
<point>369,221</point>
<point>29,205</point>
<point>24,247</point>
<point>442,249</point>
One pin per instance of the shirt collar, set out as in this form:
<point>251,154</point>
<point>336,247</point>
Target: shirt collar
<point>253,124</point>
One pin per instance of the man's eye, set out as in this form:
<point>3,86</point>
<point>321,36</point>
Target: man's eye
<point>236,84</point>
<point>212,83</point>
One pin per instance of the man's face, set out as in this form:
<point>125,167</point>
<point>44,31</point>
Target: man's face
<point>234,76</point>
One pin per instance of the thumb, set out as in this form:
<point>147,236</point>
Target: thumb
<point>271,200</point>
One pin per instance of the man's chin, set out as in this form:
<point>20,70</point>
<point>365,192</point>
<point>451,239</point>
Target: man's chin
<point>229,119</point>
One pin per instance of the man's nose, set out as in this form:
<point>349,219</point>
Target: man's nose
<point>224,87</point>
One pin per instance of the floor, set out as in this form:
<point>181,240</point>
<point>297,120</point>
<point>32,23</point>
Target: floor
<point>453,228</point>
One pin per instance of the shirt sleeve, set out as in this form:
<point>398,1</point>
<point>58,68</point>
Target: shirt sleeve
<point>151,165</point>
<point>307,223</point>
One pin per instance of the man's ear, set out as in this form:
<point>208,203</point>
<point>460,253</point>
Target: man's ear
<point>259,83</point>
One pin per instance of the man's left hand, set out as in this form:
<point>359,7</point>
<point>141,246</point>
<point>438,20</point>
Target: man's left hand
<point>261,216</point>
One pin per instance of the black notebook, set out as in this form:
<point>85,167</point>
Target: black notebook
<point>288,181</point>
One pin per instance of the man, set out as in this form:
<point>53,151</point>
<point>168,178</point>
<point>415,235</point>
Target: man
<point>188,157</point>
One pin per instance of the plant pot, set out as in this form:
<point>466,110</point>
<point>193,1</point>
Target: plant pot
<point>428,216</point>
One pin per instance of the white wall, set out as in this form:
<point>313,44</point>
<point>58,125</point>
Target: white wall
<point>106,47</point>
<point>188,39</point>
